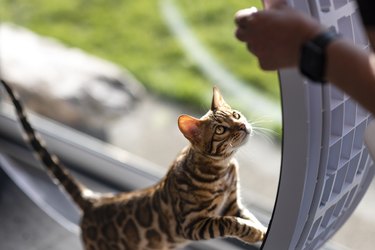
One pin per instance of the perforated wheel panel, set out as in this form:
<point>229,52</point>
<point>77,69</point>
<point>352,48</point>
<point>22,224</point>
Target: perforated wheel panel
<point>326,168</point>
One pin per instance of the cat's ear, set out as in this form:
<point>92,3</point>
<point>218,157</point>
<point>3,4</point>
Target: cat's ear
<point>217,100</point>
<point>190,127</point>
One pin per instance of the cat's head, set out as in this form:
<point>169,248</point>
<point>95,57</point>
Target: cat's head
<point>219,132</point>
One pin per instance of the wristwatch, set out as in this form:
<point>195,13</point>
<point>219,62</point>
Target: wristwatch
<point>313,56</point>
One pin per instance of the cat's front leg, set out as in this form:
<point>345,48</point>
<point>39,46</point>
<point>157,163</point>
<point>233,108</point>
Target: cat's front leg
<point>225,226</point>
<point>236,208</point>
<point>244,213</point>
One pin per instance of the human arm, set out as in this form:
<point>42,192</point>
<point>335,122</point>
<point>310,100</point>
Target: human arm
<point>353,70</point>
<point>367,8</point>
<point>276,36</point>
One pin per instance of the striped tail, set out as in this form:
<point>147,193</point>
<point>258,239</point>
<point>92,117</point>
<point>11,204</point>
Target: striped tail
<point>51,162</point>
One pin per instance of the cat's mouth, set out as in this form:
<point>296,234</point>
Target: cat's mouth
<point>245,135</point>
<point>245,138</point>
<point>248,133</point>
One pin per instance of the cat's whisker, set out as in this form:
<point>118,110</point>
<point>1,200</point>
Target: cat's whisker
<point>244,151</point>
<point>267,138</point>
<point>265,130</point>
<point>261,120</point>
<point>266,133</point>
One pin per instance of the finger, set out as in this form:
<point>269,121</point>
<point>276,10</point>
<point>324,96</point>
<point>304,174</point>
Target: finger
<point>266,65</point>
<point>274,4</point>
<point>242,16</point>
<point>256,50</point>
<point>242,35</point>
<point>250,48</point>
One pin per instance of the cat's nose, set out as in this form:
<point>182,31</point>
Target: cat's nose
<point>244,128</point>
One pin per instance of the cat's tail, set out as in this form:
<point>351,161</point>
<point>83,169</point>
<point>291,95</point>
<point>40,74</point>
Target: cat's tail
<point>79,193</point>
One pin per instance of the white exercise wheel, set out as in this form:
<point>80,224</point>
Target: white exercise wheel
<point>326,168</point>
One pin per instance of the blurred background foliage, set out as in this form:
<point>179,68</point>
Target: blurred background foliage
<point>134,35</point>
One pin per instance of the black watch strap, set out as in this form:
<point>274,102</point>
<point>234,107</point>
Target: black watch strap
<point>313,56</point>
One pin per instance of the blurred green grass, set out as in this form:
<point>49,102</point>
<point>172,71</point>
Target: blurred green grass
<point>129,33</point>
<point>134,35</point>
<point>213,23</point>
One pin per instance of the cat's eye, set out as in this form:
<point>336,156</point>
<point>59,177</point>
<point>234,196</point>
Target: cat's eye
<point>236,115</point>
<point>220,130</point>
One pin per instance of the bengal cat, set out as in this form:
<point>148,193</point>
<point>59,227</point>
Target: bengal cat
<point>198,199</point>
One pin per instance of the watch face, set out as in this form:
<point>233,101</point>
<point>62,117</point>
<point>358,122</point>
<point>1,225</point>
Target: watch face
<point>312,61</point>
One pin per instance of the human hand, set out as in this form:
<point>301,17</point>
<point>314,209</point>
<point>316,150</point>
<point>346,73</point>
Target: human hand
<point>275,35</point>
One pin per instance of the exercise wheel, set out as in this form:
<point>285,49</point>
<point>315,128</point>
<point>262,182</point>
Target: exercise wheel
<point>326,168</point>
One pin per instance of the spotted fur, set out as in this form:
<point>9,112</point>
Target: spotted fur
<point>198,198</point>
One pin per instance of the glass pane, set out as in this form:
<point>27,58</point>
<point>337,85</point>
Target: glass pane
<point>123,73</point>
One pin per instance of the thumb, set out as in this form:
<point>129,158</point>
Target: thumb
<point>274,4</point>
<point>242,16</point>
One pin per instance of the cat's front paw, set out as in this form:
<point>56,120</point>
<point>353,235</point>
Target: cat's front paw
<point>255,235</point>
<point>257,232</point>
